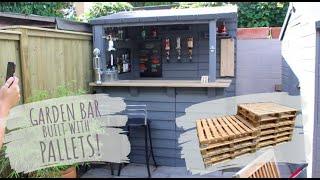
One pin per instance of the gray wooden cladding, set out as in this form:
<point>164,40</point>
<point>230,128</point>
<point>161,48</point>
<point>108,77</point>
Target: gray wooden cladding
<point>163,111</point>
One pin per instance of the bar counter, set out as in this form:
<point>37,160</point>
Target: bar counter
<point>219,83</point>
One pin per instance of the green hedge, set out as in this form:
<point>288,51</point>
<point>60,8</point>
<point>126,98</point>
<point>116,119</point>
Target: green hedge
<point>261,14</point>
<point>107,8</point>
<point>37,8</point>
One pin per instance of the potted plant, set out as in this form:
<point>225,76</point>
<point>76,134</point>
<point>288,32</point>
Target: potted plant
<point>62,171</point>
<point>69,172</point>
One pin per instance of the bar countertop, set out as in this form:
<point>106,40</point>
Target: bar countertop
<point>219,83</point>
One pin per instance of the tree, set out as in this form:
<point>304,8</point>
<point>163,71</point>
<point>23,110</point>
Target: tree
<point>183,5</point>
<point>37,8</point>
<point>260,14</point>
<point>107,8</point>
<point>141,4</point>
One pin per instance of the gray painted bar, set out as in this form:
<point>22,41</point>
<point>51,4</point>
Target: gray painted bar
<point>167,103</point>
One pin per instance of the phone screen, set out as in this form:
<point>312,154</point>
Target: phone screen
<point>11,67</point>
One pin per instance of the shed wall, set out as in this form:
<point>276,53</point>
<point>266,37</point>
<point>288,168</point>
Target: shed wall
<point>259,66</point>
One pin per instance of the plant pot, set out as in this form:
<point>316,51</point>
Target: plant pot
<point>71,172</point>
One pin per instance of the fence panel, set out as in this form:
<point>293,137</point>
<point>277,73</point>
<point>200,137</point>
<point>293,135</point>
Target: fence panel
<point>9,51</point>
<point>50,58</point>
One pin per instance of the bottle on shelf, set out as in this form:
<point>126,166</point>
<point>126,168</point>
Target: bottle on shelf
<point>125,62</point>
<point>143,33</point>
<point>119,65</point>
<point>154,32</point>
<point>128,61</point>
<point>120,34</point>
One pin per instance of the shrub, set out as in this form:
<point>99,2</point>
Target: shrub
<point>107,8</point>
<point>37,8</point>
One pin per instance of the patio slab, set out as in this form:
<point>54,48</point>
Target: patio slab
<point>140,171</point>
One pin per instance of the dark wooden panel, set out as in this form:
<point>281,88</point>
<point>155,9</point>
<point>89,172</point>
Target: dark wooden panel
<point>145,94</point>
<point>180,74</point>
<point>156,143</point>
<point>180,66</point>
<point>161,115</point>
<point>158,152</point>
<point>154,106</point>
<point>162,161</point>
<point>162,124</point>
<point>155,133</point>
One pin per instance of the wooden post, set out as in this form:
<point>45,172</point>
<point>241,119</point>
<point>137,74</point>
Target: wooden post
<point>100,42</point>
<point>25,73</point>
<point>212,51</point>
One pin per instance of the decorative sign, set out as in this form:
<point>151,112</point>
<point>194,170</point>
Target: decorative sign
<point>67,130</point>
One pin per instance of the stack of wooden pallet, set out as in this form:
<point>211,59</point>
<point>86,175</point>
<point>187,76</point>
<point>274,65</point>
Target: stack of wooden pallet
<point>254,126</point>
<point>225,137</point>
<point>275,122</point>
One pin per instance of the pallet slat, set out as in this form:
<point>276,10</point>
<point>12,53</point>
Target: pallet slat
<point>226,128</point>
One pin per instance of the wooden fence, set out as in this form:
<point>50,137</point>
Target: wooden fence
<point>46,58</point>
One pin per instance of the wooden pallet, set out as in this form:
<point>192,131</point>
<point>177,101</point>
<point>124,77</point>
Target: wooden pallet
<point>225,137</point>
<point>272,142</point>
<point>227,156</point>
<point>208,152</point>
<point>276,129</point>
<point>254,126</point>
<point>266,111</point>
<point>269,123</point>
<point>224,129</point>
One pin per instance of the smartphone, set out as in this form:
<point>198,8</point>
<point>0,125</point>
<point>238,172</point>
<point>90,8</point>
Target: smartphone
<point>11,68</point>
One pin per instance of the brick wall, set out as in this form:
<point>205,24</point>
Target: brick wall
<point>258,33</point>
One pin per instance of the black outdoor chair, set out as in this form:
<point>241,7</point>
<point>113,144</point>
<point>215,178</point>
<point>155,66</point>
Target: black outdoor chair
<point>138,118</point>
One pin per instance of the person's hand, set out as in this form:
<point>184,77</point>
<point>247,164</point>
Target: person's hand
<point>9,96</point>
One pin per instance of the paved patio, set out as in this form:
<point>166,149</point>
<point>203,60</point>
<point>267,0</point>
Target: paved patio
<point>139,171</point>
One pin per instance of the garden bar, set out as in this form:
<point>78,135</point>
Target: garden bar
<point>168,59</point>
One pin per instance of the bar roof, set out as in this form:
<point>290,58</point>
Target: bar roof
<point>165,15</point>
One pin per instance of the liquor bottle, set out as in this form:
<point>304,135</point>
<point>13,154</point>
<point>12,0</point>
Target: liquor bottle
<point>143,34</point>
<point>154,32</point>
<point>119,65</point>
<point>125,63</point>
<point>128,61</point>
<point>109,62</point>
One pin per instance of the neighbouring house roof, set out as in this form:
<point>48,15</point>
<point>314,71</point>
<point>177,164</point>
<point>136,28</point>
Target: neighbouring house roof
<point>165,15</point>
<point>8,19</point>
